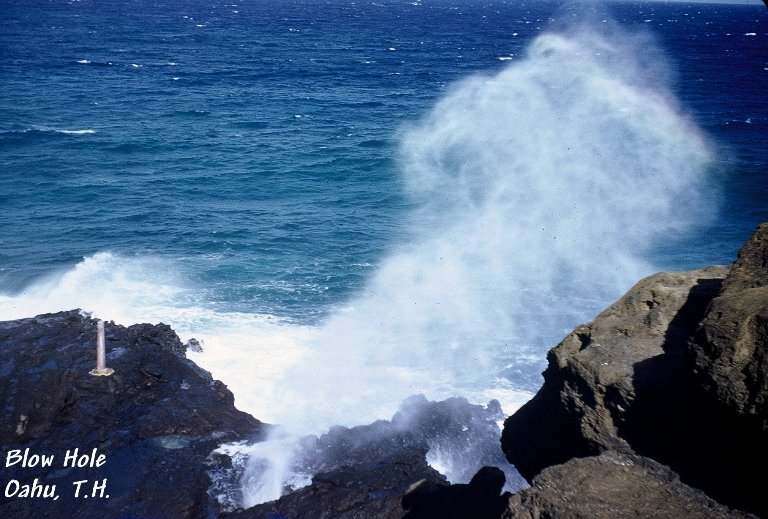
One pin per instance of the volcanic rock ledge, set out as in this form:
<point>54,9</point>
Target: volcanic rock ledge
<point>674,373</point>
<point>155,421</point>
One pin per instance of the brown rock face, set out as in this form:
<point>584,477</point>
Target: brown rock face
<point>730,361</point>
<point>730,349</point>
<point>674,371</point>
<point>751,268</point>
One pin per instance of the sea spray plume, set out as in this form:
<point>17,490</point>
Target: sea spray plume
<point>453,435</point>
<point>537,190</point>
<point>263,470</point>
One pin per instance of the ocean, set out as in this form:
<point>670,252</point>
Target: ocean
<point>351,202</point>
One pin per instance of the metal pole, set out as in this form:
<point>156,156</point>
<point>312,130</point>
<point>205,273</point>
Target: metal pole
<point>101,369</point>
<point>101,353</point>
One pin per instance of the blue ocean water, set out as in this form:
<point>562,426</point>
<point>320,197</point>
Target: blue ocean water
<point>354,201</point>
<point>255,143</point>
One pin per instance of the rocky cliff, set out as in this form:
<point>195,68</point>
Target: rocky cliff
<point>142,442</point>
<point>674,372</point>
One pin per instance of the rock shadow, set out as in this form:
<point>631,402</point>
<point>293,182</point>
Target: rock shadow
<point>673,420</point>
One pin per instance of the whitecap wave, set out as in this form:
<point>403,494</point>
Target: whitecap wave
<point>45,129</point>
<point>86,131</point>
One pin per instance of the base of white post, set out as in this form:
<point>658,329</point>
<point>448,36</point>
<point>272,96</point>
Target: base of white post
<point>101,372</point>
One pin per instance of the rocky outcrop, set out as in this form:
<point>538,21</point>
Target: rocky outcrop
<point>751,267</point>
<point>730,347</point>
<point>675,371</point>
<point>615,376</point>
<point>730,362</point>
<point>155,421</point>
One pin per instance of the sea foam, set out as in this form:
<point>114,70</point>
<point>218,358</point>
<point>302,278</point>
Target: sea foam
<point>86,131</point>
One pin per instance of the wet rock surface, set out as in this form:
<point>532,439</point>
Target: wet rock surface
<point>155,420</point>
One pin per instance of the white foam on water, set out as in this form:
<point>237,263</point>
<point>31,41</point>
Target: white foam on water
<point>86,131</point>
<point>113,287</point>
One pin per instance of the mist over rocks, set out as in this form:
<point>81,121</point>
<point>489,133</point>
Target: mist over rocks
<point>156,425</point>
<point>155,420</point>
<point>363,471</point>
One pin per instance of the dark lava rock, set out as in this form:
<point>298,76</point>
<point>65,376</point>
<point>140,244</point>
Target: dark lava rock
<point>368,489</point>
<point>613,485</point>
<point>481,498</point>
<point>156,420</point>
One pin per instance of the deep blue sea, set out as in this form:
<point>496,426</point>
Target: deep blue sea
<point>350,202</point>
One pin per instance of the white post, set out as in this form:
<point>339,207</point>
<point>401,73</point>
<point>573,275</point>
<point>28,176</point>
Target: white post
<point>101,369</point>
